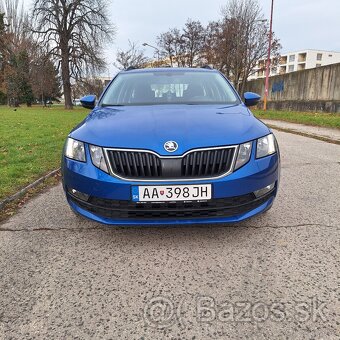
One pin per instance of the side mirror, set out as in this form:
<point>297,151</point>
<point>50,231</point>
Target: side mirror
<point>89,102</point>
<point>251,98</point>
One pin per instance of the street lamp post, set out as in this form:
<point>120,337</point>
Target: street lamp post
<point>155,48</point>
<point>268,58</point>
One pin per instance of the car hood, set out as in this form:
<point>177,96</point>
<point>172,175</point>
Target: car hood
<point>149,127</point>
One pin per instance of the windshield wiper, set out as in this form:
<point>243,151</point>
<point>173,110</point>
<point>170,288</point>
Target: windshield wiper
<point>105,105</point>
<point>226,106</point>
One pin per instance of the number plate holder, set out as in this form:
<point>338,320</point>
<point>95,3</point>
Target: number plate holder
<point>171,193</point>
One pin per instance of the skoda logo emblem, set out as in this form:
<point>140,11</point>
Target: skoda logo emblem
<point>170,146</point>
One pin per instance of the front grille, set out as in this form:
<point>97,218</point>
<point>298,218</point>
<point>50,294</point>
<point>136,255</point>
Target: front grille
<point>209,163</point>
<point>220,207</point>
<point>144,165</point>
<point>133,164</point>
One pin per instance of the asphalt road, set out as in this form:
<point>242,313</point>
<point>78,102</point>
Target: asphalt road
<point>275,276</point>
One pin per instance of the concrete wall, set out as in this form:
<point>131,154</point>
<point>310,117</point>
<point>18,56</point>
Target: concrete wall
<point>316,89</point>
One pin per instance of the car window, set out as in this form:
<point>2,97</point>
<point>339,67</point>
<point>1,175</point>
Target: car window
<point>164,87</point>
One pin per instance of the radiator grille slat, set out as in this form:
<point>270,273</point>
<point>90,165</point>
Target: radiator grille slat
<point>141,165</point>
<point>214,160</point>
<point>120,162</point>
<point>200,163</point>
<point>221,161</point>
<point>126,158</point>
<point>148,167</point>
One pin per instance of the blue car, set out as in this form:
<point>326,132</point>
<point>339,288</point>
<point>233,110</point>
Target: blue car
<point>170,146</point>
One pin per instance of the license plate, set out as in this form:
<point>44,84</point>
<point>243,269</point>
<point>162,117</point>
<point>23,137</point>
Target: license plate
<point>163,193</point>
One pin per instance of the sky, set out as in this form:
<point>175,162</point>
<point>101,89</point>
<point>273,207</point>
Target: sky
<point>299,24</point>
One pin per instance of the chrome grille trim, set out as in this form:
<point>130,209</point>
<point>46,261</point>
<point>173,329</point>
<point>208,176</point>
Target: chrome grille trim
<point>179,179</point>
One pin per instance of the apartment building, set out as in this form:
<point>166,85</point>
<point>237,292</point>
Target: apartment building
<point>296,61</point>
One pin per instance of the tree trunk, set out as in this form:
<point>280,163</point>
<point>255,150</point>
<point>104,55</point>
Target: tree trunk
<point>65,75</point>
<point>244,82</point>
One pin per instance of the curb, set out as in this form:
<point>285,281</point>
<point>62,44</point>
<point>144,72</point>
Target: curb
<point>27,188</point>
<point>305,134</point>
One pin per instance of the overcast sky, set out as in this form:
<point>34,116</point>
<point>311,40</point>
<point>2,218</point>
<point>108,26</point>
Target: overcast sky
<point>300,24</point>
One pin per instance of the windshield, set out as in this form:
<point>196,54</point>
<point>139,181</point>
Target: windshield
<point>164,87</point>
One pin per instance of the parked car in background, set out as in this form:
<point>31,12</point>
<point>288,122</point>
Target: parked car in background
<point>169,146</point>
<point>76,102</point>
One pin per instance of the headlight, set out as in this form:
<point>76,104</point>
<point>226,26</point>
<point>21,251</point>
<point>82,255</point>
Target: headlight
<point>75,150</point>
<point>243,156</point>
<point>98,158</point>
<point>265,146</point>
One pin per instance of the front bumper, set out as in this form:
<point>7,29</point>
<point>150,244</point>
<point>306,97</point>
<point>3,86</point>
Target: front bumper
<point>110,198</point>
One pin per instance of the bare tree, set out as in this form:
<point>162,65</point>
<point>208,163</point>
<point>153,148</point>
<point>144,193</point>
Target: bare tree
<point>216,45</point>
<point>44,77</point>
<point>239,40</point>
<point>183,47</point>
<point>179,48</point>
<point>193,41</point>
<point>74,33</point>
<point>133,56</point>
<point>3,54</point>
<point>16,23</point>
<point>166,43</point>
<point>88,85</point>
<point>26,71</point>
<point>15,52</point>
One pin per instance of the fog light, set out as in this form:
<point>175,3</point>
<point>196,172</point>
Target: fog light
<point>78,194</point>
<point>265,190</point>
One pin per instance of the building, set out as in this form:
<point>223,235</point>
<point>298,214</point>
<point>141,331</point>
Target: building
<point>105,80</point>
<point>296,61</point>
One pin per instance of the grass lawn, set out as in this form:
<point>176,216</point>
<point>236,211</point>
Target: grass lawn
<point>31,141</point>
<point>309,118</point>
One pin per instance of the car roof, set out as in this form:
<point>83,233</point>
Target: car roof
<point>168,69</point>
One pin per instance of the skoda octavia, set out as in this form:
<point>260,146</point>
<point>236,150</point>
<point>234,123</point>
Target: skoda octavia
<point>167,146</point>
